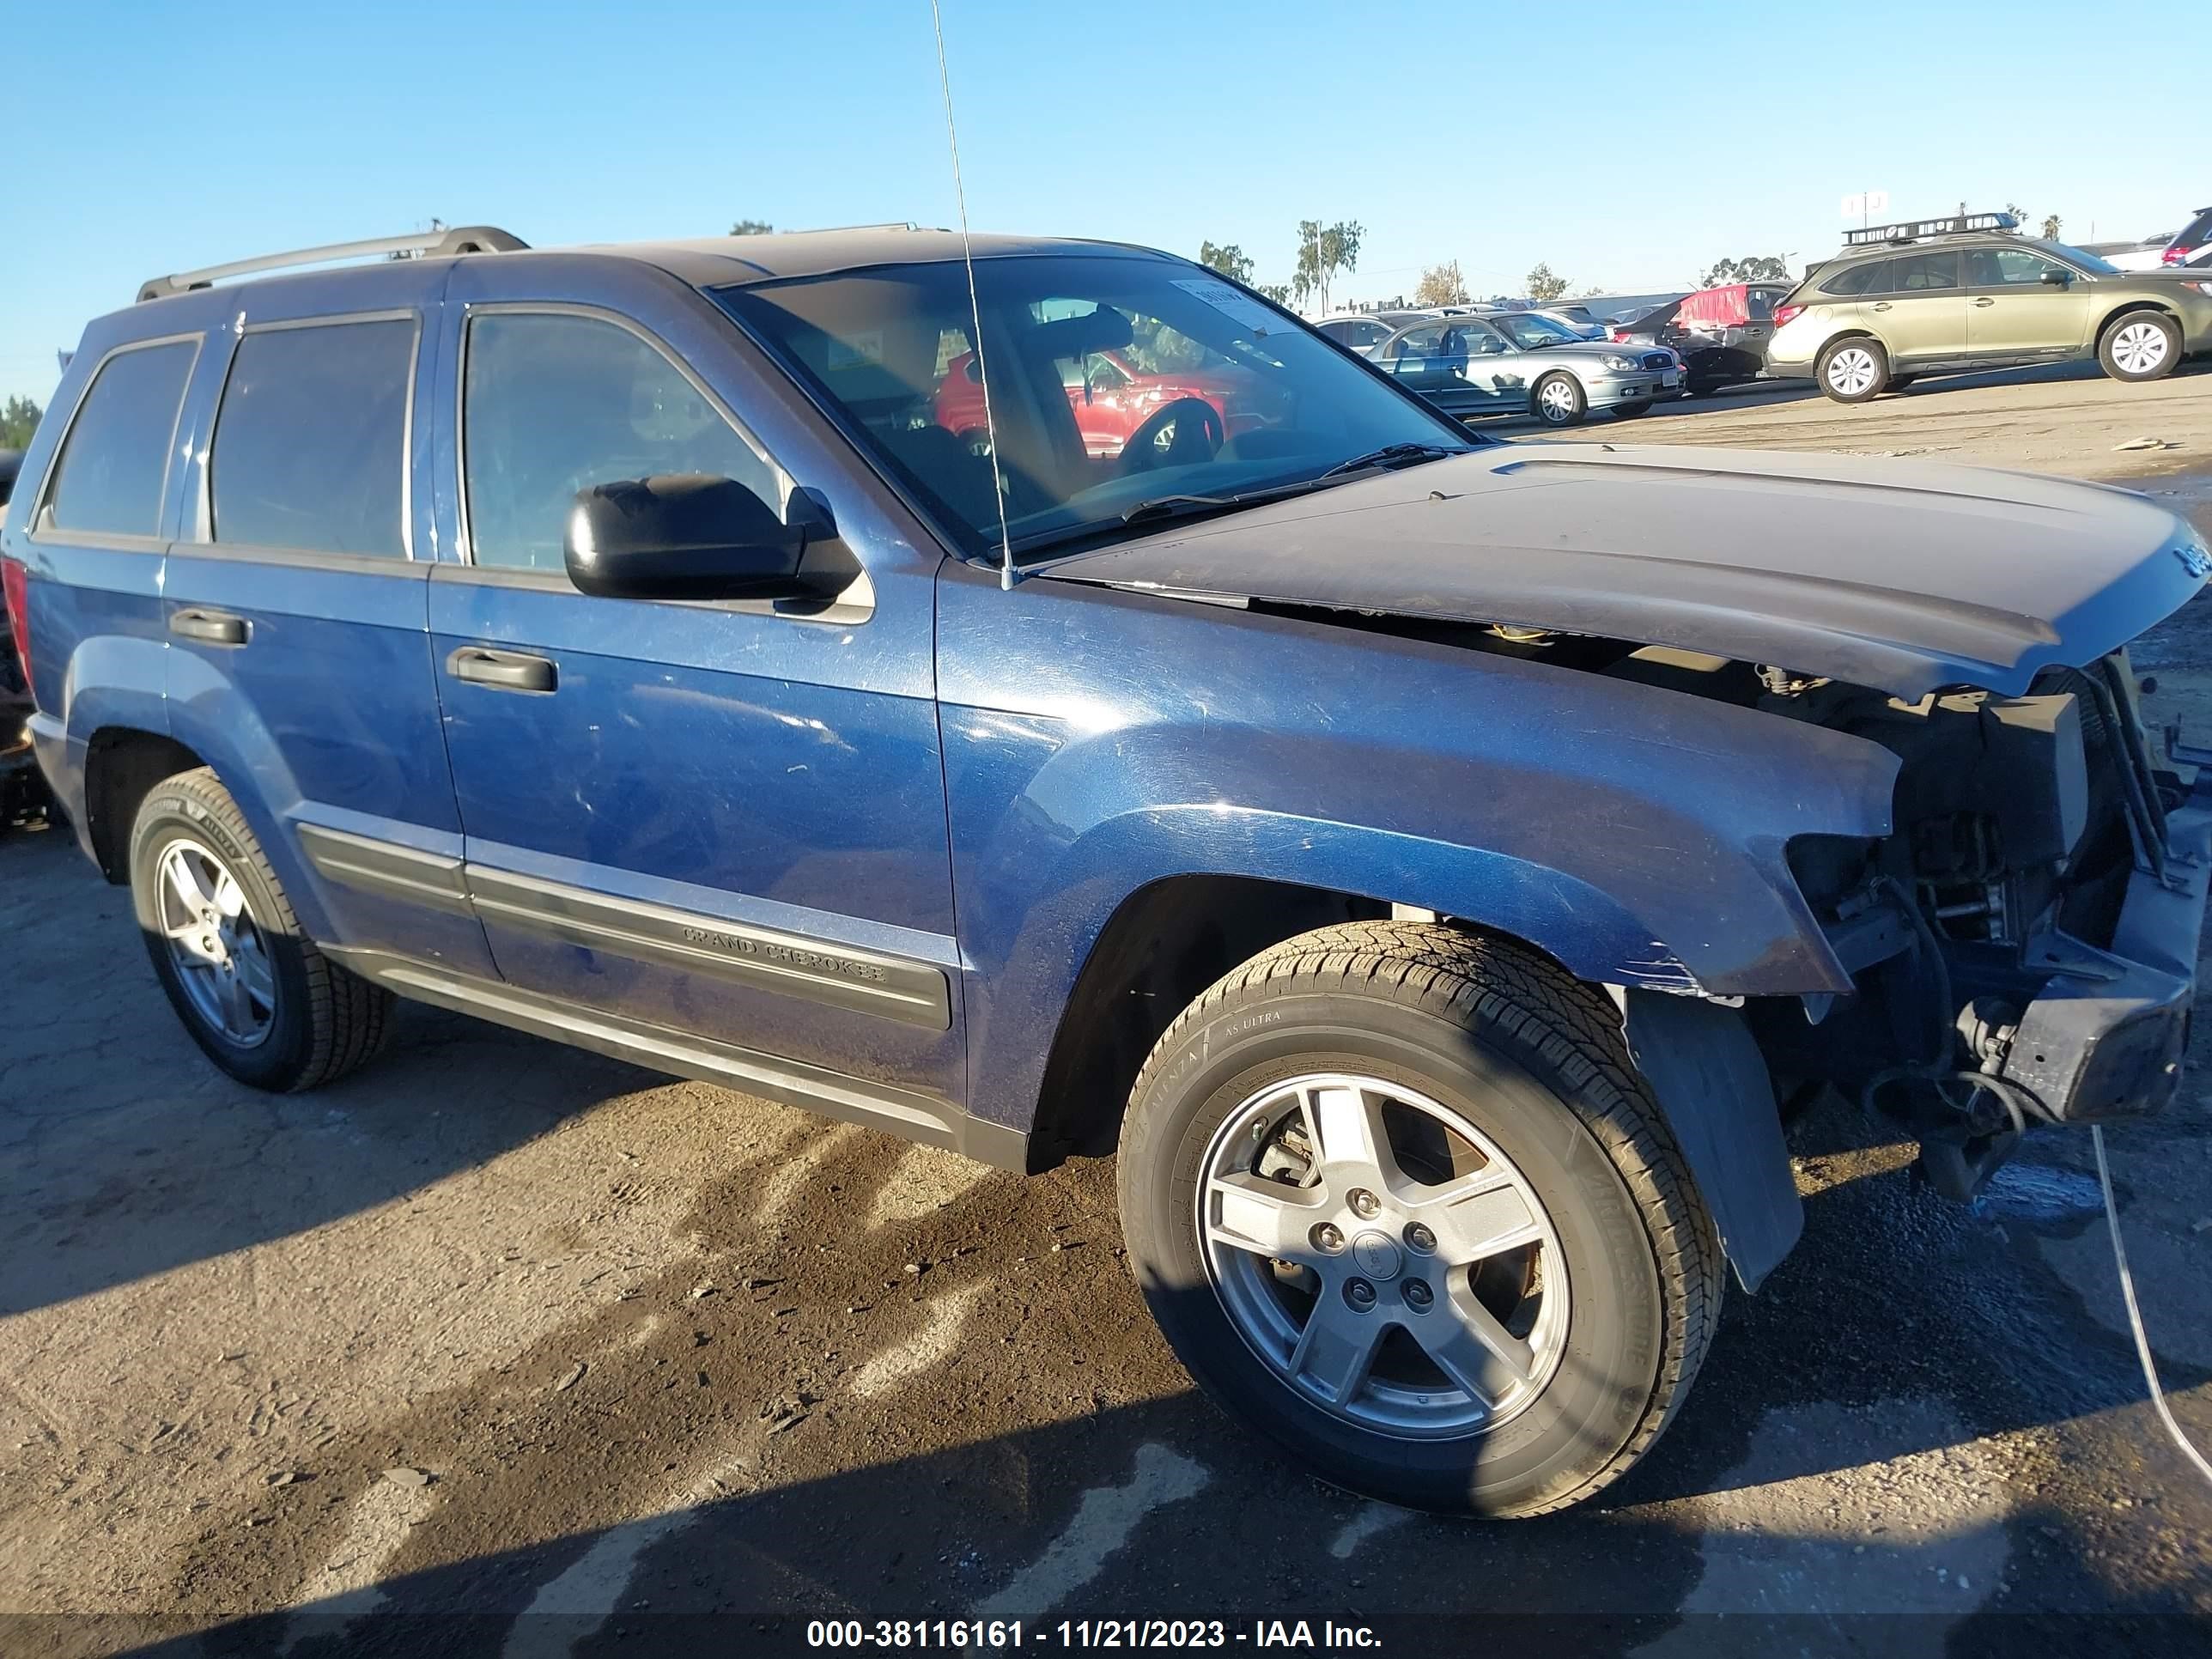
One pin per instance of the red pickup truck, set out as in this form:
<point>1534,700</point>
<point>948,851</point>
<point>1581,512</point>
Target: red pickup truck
<point>1119,399</point>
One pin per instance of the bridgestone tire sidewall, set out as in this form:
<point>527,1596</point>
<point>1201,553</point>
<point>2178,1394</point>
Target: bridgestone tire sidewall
<point>1601,1391</point>
<point>168,813</point>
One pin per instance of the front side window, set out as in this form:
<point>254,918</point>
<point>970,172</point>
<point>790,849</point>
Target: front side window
<point>310,447</point>
<point>1225,395</point>
<point>109,477</point>
<point>553,403</point>
<point>2009,267</point>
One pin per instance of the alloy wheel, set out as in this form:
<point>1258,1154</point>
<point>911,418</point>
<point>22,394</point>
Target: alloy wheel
<point>2140,348</point>
<point>1851,371</point>
<point>218,950</point>
<point>1383,1256</point>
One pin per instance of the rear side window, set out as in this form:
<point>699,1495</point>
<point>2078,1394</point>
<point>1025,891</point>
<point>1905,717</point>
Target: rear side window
<point>311,441</point>
<point>1868,278</point>
<point>109,478</point>
<point>1922,273</point>
<point>554,403</point>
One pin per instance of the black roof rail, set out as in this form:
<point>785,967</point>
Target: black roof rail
<point>1919,230</point>
<point>427,244</point>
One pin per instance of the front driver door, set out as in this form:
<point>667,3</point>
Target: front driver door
<point>720,819</point>
<point>2013,311</point>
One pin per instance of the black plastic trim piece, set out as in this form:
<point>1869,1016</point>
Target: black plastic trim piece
<point>794,965</point>
<point>909,1113</point>
<point>385,869</point>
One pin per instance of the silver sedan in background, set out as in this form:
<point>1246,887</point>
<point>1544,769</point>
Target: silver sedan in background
<point>1521,362</point>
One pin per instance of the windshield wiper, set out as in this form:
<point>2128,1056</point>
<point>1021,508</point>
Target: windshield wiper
<point>1183,507</point>
<point>1388,453</point>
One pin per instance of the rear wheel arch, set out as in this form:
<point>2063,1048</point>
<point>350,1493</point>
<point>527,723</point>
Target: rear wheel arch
<point>123,764</point>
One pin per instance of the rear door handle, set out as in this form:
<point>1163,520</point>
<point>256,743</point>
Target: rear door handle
<point>1882,305</point>
<point>1985,301</point>
<point>503,671</point>
<point>210,627</point>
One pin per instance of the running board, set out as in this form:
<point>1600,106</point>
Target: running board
<point>907,1113</point>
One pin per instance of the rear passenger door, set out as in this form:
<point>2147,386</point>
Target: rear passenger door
<point>1920,311</point>
<point>297,616</point>
<point>720,819</point>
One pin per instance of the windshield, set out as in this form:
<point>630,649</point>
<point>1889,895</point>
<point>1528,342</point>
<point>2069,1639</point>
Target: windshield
<point>2095,265</point>
<point>1532,332</point>
<point>1114,381</point>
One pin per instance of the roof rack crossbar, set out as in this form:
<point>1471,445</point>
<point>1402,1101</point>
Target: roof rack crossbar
<point>1918,230</point>
<point>427,244</point>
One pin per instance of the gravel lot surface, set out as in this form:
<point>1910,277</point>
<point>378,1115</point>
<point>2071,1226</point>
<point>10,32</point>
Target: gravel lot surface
<point>500,1348</point>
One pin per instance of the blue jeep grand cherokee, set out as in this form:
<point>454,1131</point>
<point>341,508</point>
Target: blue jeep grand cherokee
<point>1438,863</point>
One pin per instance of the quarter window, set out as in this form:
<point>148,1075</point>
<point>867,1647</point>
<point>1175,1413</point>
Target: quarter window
<point>1869,278</point>
<point>555,403</point>
<point>310,443</point>
<point>109,478</point>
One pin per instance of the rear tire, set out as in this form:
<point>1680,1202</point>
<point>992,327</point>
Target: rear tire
<point>1557,400</point>
<point>251,987</point>
<point>1854,369</point>
<point>1474,1063</point>
<point>2139,345</point>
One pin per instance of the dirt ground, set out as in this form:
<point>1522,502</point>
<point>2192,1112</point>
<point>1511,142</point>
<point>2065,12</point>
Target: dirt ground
<point>498,1347</point>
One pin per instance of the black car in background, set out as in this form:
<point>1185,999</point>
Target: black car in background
<point>1719,333</point>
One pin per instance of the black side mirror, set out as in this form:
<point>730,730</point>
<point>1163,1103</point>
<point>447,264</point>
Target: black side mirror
<point>2056,278</point>
<point>684,536</point>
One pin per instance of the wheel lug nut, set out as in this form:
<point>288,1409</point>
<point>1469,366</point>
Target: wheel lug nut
<point>1420,1238</point>
<point>1418,1294</point>
<point>1327,1239</point>
<point>1364,1204</point>
<point>1361,1294</point>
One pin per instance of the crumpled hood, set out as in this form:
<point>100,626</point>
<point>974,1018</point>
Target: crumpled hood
<point>1901,576</point>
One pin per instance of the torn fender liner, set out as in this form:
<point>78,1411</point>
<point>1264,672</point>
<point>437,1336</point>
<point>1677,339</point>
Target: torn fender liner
<point>1712,1084</point>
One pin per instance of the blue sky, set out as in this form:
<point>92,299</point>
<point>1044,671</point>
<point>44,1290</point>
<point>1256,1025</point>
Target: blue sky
<point>1628,149</point>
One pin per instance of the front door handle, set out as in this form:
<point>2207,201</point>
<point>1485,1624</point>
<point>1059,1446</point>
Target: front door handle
<point>503,671</point>
<point>209,627</point>
<point>1882,305</point>
<point>1985,301</point>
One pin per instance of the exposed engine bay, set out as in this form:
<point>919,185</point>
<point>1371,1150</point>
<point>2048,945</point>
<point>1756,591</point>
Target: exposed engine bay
<point>1998,982</point>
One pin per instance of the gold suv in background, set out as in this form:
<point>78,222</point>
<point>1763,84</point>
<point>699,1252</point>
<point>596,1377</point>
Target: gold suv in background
<point>1904,301</point>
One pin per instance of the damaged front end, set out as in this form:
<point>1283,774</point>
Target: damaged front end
<point>2024,942</point>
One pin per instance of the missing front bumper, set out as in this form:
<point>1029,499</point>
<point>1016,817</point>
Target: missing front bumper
<point>2106,1036</point>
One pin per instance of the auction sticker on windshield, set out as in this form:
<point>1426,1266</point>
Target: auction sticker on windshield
<point>1237,307</point>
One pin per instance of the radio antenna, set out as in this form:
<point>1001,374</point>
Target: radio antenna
<point>974,307</point>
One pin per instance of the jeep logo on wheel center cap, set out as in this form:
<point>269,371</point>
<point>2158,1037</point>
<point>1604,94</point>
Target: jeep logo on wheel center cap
<point>1377,1257</point>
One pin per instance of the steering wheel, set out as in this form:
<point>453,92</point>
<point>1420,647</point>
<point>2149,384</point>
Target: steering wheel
<point>1198,434</point>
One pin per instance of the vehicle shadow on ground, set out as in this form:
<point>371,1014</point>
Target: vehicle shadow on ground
<point>125,1153</point>
<point>1833,1464</point>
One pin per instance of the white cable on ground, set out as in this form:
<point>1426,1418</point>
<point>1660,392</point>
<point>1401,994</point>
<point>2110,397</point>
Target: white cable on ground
<point>2135,1313</point>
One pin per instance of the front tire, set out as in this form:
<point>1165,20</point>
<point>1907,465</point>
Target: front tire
<point>1557,400</point>
<point>251,987</point>
<point>2142,345</point>
<point>1397,1200</point>
<point>1854,370</point>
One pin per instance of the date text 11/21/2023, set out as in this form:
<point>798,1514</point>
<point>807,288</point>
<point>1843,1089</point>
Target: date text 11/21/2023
<point>975,1634</point>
